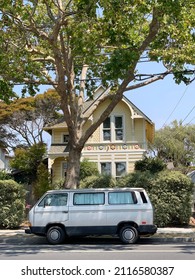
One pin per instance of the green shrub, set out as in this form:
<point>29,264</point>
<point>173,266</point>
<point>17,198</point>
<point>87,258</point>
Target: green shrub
<point>88,168</point>
<point>58,185</point>
<point>136,180</point>
<point>4,175</point>
<point>170,193</point>
<point>151,164</point>
<point>101,181</point>
<point>42,183</point>
<point>12,204</point>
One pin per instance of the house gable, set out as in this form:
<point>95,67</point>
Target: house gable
<point>129,131</point>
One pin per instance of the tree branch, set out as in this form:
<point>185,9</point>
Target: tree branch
<point>150,81</point>
<point>153,30</point>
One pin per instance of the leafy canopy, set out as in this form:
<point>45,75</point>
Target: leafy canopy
<point>48,42</point>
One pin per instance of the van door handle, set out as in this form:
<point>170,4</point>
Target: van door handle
<point>64,211</point>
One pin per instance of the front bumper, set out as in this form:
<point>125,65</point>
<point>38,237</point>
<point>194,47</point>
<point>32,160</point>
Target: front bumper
<point>28,231</point>
<point>41,231</point>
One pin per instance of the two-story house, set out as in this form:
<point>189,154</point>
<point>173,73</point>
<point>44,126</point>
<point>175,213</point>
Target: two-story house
<point>115,146</point>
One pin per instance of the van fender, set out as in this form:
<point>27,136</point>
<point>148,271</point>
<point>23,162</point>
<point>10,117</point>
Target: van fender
<point>126,223</point>
<point>55,224</point>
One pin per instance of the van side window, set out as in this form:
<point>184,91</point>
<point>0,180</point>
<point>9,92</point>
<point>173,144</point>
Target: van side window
<point>57,199</point>
<point>89,198</point>
<point>122,198</point>
<point>143,197</point>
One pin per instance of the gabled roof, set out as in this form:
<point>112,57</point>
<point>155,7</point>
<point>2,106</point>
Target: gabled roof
<point>137,111</point>
<point>100,91</point>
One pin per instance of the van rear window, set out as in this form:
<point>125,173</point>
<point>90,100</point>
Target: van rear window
<point>122,198</point>
<point>143,197</point>
<point>89,198</point>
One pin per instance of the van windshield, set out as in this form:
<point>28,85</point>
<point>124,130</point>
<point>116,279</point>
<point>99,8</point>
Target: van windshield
<point>57,199</point>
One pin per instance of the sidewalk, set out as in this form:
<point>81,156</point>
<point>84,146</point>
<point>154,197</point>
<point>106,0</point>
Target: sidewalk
<point>175,234</point>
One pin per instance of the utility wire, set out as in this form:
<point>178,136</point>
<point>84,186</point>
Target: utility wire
<point>190,121</point>
<point>176,106</point>
<point>188,114</point>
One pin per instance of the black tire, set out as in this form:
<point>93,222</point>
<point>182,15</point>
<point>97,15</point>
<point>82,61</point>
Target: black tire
<point>55,235</point>
<point>128,235</point>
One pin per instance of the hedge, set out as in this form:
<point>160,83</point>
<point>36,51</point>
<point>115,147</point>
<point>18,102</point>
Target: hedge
<point>170,193</point>
<point>12,204</point>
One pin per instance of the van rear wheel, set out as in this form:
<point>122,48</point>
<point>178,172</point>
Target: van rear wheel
<point>55,235</point>
<point>128,235</point>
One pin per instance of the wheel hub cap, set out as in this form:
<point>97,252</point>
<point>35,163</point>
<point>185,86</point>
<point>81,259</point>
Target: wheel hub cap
<point>54,235</point>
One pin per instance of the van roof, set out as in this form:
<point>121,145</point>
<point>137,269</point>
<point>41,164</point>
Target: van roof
<point>96,190</point>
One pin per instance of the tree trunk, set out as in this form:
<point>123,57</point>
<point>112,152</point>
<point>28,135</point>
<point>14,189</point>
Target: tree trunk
<point>73,169</point>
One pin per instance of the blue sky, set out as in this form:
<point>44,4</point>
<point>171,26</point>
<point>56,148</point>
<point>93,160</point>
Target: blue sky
<point>164,100</point>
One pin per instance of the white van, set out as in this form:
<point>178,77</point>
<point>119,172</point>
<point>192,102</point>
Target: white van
<point>125,212</point>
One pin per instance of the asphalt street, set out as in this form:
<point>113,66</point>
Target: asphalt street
<point>175,244</point>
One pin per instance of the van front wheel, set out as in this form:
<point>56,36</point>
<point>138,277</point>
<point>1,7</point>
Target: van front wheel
<point>128,235</point>
<point>55,235</point>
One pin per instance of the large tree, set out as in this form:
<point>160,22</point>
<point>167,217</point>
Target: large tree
<point>73,45</point>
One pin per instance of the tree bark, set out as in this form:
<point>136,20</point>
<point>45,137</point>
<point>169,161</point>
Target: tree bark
<point>72,178</point>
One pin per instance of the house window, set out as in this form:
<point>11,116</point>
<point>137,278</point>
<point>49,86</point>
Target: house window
<point>65,138</point>
<point>118,122</point>
<point>116,169</point>
<point>120,169</point>
<point>107,129</point>
<point>106,168</point>
<point>113,129</point>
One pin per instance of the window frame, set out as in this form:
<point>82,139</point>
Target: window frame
<point>118,128</point>
<point>107,129</point>
<point>120,162</point>
<point>134,199</point>
<point>88,204</point>
<point>43,204</point>
<point>63,138</point>
<point>106,162</point>
<point>112,129</point>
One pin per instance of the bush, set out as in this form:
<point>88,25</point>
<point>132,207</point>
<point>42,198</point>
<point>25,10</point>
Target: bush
<point>151,164</point>
<point>136,180</point>
<point>101,181</point>
<point>88,168</point>
<point>42,183</point>
<point>170,193</point>
<point>12,204</point>
<point>58,185</point>
<point>4,175</point>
